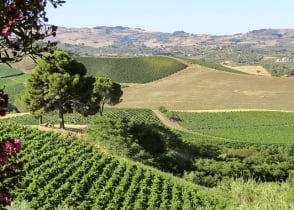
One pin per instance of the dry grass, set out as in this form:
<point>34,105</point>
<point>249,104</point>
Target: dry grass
<point>255,70</point>
<point>70,129</point>
<point>26,64</point>
<point>201,88</point>
<point>13,115</point>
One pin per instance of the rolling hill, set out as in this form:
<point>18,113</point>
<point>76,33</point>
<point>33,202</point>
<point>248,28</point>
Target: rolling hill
<point>202,88</point>
<point>270,48</point>
<point>181,84</point>
<point>132,69</point>
<point>68,172</point>
<point>251,47</point>
<point>62,172</point>
<point>103,36</point>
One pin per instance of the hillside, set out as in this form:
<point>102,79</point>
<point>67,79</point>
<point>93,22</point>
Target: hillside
<point>84,177</point>
<point>202,88</point>
<point>170,84</point>
<point>270,48</point>
<point>104,36</point>
<point>62,172</point>
<point>132,69</point>
<point>135,41</point>
<point>12,80</point>
<point>124,70</point>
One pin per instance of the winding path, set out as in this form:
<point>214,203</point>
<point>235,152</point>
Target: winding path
<point>174,125</point>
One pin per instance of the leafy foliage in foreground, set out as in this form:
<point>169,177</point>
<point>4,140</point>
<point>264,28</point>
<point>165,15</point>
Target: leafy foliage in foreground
<point>251,194</point>
<point>132,70</point>
<point>62,172</point>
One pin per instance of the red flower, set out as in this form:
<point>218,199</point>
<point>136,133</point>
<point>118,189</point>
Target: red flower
<point>17,144</point>
<point>9,147</point>
<point>6,31</point>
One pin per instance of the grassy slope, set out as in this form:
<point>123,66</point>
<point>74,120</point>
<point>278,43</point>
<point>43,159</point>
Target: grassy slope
<point>132,70</point>
<point>13,80</point>
<point>13,85</point>
<point>201,88</point>
<point>138,70</point>
<point>204,70</point>
<point>6,71</point>
<point>215,66</point>
<point>253,127</point>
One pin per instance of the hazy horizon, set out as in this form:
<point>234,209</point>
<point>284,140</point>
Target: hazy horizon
<point>214,17</point>
<point>178,30</point>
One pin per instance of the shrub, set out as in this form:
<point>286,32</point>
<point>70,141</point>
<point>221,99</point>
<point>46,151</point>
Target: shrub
<point>173,116</point>
<point>162,109</point>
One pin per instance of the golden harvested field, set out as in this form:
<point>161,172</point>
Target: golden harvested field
<point>256,70</point>
<point>201,88</point>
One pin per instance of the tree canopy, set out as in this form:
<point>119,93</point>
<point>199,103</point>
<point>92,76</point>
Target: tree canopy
<point>60,82</point>
<point>106,92</point>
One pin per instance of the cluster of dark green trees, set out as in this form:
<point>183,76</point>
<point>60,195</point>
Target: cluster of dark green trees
<point>202,161</point>
<point>59,82</point>
<point>149,143</point>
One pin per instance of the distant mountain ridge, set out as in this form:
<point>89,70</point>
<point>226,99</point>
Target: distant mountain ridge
<point>104,38</point>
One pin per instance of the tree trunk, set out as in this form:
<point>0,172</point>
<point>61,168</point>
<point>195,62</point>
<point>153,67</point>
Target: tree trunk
<point>100,112</point>
<point>60,117</point>
<point>41,120</point>
<point>101,106</point>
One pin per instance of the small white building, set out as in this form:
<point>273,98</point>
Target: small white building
<point>285,59</point>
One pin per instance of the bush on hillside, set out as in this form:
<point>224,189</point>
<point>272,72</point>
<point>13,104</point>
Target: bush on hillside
<point>163,109</point>
<point>139,141</point>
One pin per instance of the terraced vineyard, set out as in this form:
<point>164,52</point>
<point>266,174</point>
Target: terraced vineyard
<point>259,145</point>
<point>12,79</point>
<point>62,172</point>
<point>132,70</point>
<point>215,66</point>
<point>137,115</point>
<point>6,71</point>
<point>253,127</point>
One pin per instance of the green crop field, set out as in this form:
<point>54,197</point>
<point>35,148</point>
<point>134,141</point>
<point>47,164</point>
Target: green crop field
<point>132,70</point>
<point>13,85</point>
<point>215,66</point>
<point>253,127</point>
<point>6,71</point>
<point>62,172</point>
<point>13,80</point>
<point>222,146</point>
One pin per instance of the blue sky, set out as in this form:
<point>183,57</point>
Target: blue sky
<point>218,17</point>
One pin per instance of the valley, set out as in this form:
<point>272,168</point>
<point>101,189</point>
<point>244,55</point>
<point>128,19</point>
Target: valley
<point>186,135</point>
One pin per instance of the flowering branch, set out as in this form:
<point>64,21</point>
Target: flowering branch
<point>10,169</point>
<point>22,25</point>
